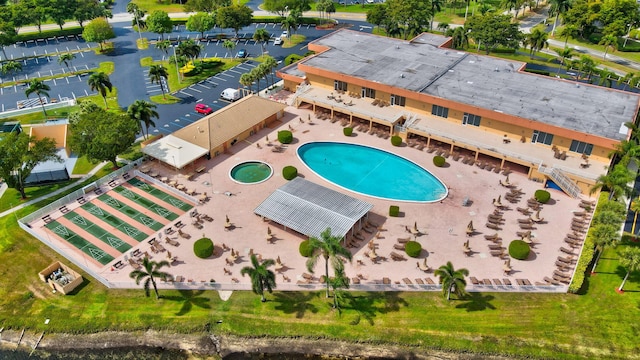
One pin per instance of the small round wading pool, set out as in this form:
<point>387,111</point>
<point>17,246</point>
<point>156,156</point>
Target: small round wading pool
<point>251,172</point>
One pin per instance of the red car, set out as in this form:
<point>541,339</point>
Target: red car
<point>203,109</point>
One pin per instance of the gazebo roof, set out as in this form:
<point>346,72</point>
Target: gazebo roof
<point>309,208</point>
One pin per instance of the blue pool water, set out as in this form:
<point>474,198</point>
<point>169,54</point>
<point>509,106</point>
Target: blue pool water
<point>373,172</point>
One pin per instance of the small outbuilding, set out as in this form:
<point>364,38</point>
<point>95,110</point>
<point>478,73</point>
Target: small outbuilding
<point>60,277</point>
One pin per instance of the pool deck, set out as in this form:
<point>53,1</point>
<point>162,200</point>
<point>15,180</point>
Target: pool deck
<point>442,224</point>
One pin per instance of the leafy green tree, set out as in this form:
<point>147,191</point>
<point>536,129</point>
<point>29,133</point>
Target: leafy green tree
<point>66,59</point>
<point>159,22</point>
<point>261,35</point>
<point>200,22</point>
<point>604,236</point>
<point>630,260</point>
<point>616,181</point>
<point>60,10</point>
<point>207,6</point>
<point>142,111</point>
<point>156,74</point>
<point>87,10</point>
<point>100,82</point>
<point>452,280</point>
<point>282,7</point>
<point>558,8</point>
<point>39,88</point>
<point>84,107</point>
<point>98,30</point>
<point>411,16</point>
<point>610,42</point>
<point>493,30</point>
<point>149,272</point>
<point>537,40</point>
<point>102,135</point>
<point>8,37</point>
<point>234,17</point>
<point>330,248</point>
<point>376,15</point>
<point>20,154</point>
<point>262,278</point>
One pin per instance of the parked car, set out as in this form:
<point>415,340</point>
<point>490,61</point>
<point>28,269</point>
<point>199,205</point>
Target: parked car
<point>284,35</point>
<point>277,41</point>
<point>242,53</point>
<point>203,109</point>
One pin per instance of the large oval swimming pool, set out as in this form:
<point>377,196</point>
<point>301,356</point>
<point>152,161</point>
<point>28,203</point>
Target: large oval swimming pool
<point>372,172</point>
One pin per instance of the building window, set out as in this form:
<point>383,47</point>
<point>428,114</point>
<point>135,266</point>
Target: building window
<point>541,137</point>
<point>339,85</point>
<point>470,119</point>
<point>440,111</point>
<point>581,147</point>
<point>367,92</point>
<point>398,100</point>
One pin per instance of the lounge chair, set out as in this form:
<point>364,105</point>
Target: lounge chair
<point>419,281</point>
<point>397,257</point>
<point>407,281</point>
<point>506,282</point>
<point>429,281</point>
<point>423,265</point>
<point>398,247</point>
<point>474,281</point>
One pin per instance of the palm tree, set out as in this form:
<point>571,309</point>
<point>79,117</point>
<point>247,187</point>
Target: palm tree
<point>10,67</point>
<point>567,31</point>
<point>436,7</point>
<point>558,8</point>
<point>616,181</point>
<point>511,5</point>
<point>330,249</point>
<point>604,236</point>
<point>610,42</point>
<point>606,77</point>
<point>257,73</point>
<point>537,40</point>
<point>452,280</point>
<point>246,80</point>
<point>270,63</point>
<point>459,37</point>
<point>66,59</point>
<point>635,207</point>
<point>261,35</point>
<point>566,53</point>
<point>626,80</point>
<point>150,270</point>
<point>626,151</point>
<point>261,277</point>
<point>99,81</point>
<point>189,49</point>
<point>142,111</point>
<point>338,282</point>
<point>164,46</point>
<point>630,260</point>
<point>229,45</point>
<point>39,88</point>
<point>156,74</point>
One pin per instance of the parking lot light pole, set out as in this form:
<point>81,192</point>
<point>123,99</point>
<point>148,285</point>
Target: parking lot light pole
<point>175,59</point>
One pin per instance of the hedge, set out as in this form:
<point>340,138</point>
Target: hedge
<point>587,251</point>
<point>285,136</point>
<point>289,172</point>
<point>542,196</point>
<point>347,131</point>
<point>203,248</point>
<point>519,249</point>
<point>439,161</point>
<point>413,249</point>
<point>396,140</point>
<point>394,210</point>
<point>305,249</point>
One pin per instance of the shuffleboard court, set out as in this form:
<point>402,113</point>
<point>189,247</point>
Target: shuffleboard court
<point>169,199</point>
<point>135,215</point>
<point>80,243</point>
<point>100,233</point>
<point>169,215</point>
<point>133,232</point>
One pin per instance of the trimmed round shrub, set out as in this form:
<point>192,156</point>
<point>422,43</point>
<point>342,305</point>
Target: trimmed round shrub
<point>396,140</point>
<point>394,210</point>
<point>413,248</point>
<point>542,196</point>
<point>305,249</point>
<point>347,131</point>
<point>519,249</point>
<point>289,172</point>
<point>285,136</point>
<point>439,161</point>
<point>203,248</point>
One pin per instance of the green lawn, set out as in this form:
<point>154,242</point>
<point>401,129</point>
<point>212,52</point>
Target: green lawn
<point>176,84</point>
<point>12,198</point>
<point>83,166</point>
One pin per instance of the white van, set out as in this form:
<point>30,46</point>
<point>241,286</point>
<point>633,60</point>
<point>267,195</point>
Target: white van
<point>231,94</point>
